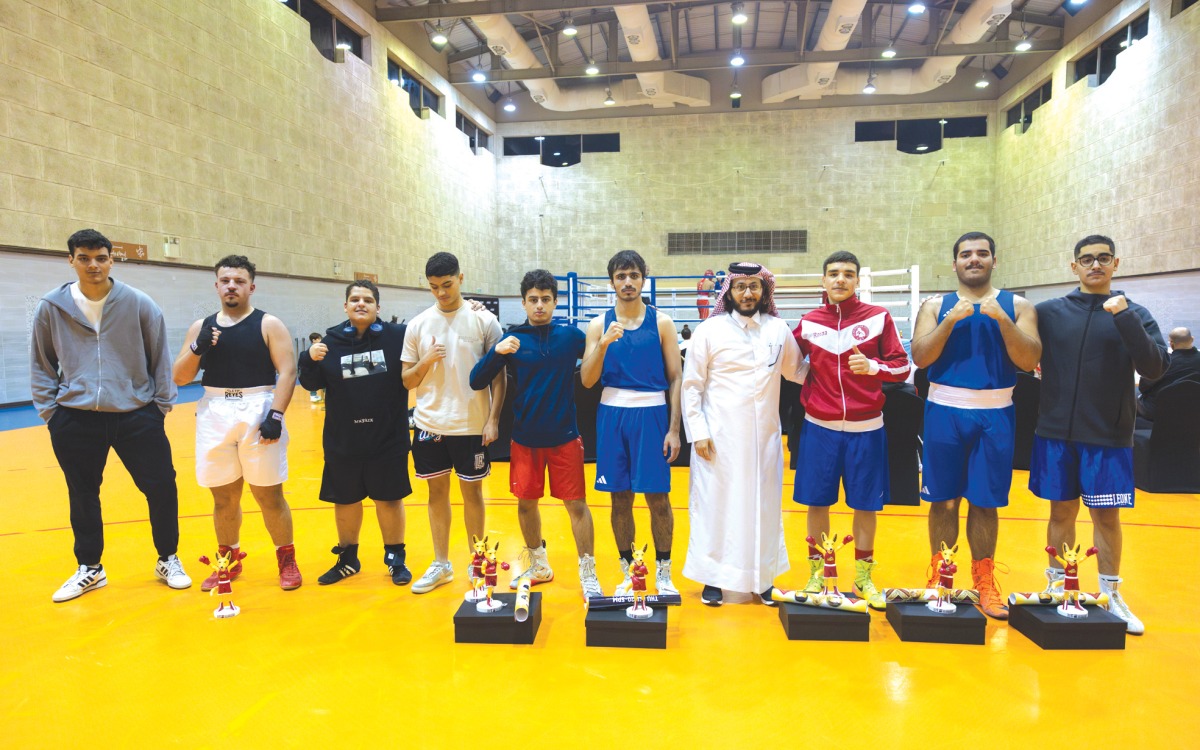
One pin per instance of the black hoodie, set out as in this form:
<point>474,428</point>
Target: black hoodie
<point>1088,359</point>
<point>366,403</point>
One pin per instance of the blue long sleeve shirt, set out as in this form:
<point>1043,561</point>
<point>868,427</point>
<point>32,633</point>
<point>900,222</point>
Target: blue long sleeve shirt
<point>544,371</point>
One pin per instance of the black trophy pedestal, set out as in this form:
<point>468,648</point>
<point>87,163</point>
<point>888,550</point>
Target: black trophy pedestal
<point>803,623</point>
<point>612,628</point>
<point>472,626</point>
<point>1050,630</point>
<point>913,621</point>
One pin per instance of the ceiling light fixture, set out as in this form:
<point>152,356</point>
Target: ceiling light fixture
<point>438,39</point>
<point>569,29</point>
<point>737,60</point>
<point>983,82</point>
<point>509,105</point>
<point>478,76</point>
<point>916,8</point>
<point>922,147</point>
<point>735,92</point>
<point>870,87</point>
<point>890,52</point>
<point>608,98</point>
<point>591,68</point>
<point>739,14</point>
<point>1024,45</point>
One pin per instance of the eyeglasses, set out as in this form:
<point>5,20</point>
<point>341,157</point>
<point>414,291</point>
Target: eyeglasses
<point>741,287</point>
<point>1104,259</point>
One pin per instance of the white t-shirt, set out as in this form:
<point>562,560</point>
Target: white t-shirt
<point>92,310</point>
<point>446,404</point>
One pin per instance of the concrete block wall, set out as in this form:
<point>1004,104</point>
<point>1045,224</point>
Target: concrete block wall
<point>217,121</point>
<point>1121,159</point>
<point>797,169</point>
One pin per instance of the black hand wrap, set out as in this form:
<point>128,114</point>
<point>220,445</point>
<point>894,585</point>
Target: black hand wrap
<point>203,342</point>
<point>272,426</point>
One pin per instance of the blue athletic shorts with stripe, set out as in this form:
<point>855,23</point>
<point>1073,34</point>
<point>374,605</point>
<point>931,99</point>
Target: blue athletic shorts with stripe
<point>1066,469</point>
<point>858,460</point>
<point>629,449</point>
<point>968,453</point>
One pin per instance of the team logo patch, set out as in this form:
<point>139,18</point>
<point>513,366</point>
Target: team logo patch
<point>601,480</point>
<point>859,332</point>
<point>479,460</point>
<point>233,393</point>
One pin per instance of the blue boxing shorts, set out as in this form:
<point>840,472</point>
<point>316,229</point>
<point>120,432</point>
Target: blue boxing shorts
<point>968,453</point>
<point>857,460</point>
<point>629,449</point>
<point>1066,469</point>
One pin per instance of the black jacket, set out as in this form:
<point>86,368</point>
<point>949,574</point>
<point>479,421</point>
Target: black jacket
<point>1088,359</point>
<point>366,403</point>
<point>1185,365</point>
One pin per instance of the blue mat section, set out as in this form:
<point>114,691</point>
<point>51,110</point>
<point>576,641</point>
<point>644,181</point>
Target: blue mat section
<point>18,417</point>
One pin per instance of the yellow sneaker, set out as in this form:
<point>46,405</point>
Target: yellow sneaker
<point>865,587</point>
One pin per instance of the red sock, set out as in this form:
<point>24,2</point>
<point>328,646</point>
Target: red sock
<point>863,554</point>
<point>812,551</point>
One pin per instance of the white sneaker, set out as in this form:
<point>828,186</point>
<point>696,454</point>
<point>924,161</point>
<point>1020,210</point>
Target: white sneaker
<point>171,572</point>
<point>82,581</point>
<point>1117,606</point>
<point>588,578</point>
<point>626,585</point>
<point>662,578</point>
<point>532,563</point>
<point>439,573</point>
<point>1054,580</point>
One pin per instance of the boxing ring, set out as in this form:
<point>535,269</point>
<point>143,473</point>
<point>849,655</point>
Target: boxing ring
<point>897,289</point>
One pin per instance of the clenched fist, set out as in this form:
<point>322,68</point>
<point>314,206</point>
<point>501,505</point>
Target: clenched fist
<point>1116,304</point>
<point>614,332</point>
<point>962,309</point>
<point>318,351</point>
<point>991,308</point>
<point>510,345</point>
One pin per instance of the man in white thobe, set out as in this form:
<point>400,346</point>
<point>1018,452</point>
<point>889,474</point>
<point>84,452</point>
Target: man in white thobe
<point>731,413</point>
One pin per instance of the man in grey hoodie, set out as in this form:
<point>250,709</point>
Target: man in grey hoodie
<point>101,378</point>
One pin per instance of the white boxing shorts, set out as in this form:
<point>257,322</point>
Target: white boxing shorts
<point>228,446</point>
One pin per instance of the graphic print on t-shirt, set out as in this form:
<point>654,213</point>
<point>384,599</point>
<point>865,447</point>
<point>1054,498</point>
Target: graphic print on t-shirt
<point>363,364</point>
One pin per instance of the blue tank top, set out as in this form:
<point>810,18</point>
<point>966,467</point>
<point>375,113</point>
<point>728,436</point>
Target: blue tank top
<point>635,361</point>
<point>974,356</point>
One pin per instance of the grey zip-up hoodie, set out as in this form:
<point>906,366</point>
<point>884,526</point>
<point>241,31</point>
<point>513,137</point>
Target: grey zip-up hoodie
<point>120,368</point>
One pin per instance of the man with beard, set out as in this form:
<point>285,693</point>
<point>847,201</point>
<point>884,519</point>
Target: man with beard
<point>853,349</point>
<point>632,351</point>
<point>731,412</point>
<point>240,434</point>
<point>1095,338</point>
<point>973,343</point>
<point>357,363</point>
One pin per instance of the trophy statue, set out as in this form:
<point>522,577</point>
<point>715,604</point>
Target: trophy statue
<point>475,569</point>
<point>943,604</point>
<point>487,581</point>
<point>1070,560</point>
<point>224,586</point>
<point>637,579</point>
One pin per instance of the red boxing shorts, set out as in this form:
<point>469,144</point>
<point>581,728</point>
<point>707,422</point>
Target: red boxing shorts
<point>527,471</point>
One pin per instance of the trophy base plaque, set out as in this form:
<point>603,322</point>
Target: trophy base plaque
<point>607,627</point>
<point>1044,626</point>
<point>804,623</point>
<point>473,626</point>
<point>913,621</point>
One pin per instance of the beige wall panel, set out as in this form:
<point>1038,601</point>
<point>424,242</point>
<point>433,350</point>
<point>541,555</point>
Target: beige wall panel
<point>1121,159</point>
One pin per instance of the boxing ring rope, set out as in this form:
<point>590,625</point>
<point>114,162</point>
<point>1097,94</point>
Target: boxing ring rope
<point>586,297</point>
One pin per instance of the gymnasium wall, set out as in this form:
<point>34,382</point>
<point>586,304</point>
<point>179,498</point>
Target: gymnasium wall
<point>1121,159</point>
<point>217,121</point>
<point>798,169</point>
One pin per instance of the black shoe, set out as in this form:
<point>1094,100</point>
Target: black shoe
<point>347,565</point>
<point>400,573</point>
<point>711,596</point>
<point>765,598</point>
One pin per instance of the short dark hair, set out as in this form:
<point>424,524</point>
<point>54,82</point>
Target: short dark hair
<point>539,278</point>
<point>626,259</point>
<point>441,264</point>
<point>841,256</point>
<point>1095,239</point>
<point>89,239</point>
<point>314,336</point>
<point>235,261</point>
<point>363,284</point>
<point>973,236</point>
<point>686,333</point>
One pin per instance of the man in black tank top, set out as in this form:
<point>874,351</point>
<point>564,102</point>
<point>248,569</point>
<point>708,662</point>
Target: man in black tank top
<point>240,434</point>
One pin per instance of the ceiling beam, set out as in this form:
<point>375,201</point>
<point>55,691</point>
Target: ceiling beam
<point>447,11</point>
<point>766,59</point>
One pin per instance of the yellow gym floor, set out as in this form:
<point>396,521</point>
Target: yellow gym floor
<point>364,663</point>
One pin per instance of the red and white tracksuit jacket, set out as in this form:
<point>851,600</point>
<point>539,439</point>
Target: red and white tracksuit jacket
<point>833,396</point>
